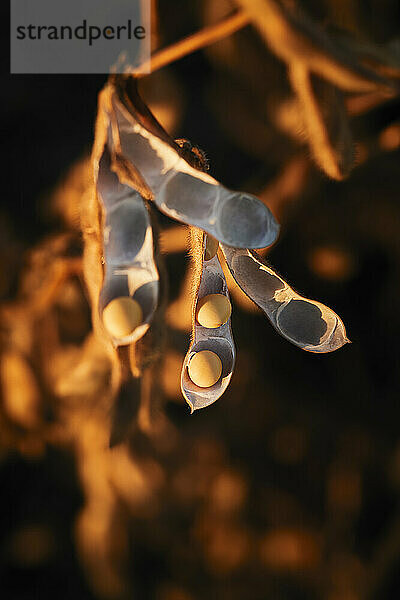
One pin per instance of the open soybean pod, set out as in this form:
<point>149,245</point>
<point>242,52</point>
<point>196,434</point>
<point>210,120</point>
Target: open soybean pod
<point>179,190</point>
<point>129,294</point>
<point>310,325</point>
<point>208,365</point>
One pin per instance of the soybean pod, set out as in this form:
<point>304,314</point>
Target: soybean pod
<point>129,294</point>
<point>209,363</point>
<point>306,323</point>
<point>186,194</point>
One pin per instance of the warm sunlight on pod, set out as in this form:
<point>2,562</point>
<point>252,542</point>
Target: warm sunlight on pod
<point>205,368</point>
<point>127,284</point>
<point>213,310</point>
<point>211,247</point>
<point>121,316</point>
<point>212,349</point>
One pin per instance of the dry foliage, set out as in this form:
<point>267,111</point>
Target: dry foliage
<point>289,486</point>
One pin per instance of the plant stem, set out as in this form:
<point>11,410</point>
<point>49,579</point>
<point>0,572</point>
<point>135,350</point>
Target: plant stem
<point>207,36</point>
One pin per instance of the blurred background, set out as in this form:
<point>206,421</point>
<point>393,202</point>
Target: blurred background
<point>289,486</point>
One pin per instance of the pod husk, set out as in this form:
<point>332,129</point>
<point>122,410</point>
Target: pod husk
<point>129,262</point>
<point>306,323</point>
<point>159,170</point>
<point>208,279</point>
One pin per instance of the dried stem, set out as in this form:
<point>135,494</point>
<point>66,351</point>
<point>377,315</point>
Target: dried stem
<point>201,39</point>
<point>292,36</point>
<point>326,121</point>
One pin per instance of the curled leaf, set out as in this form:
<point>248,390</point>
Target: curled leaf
<point>306,323</point>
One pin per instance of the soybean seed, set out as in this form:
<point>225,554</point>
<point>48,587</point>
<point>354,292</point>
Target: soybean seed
<point>211,247</point>
<point>213,310</point>
<point>121,316</point>
<point>205,368</point>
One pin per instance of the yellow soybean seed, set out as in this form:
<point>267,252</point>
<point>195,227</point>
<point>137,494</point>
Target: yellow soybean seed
<point>211,247</point>
<point>121,316</point>
<point>213,310</point>
<point>205,368</point>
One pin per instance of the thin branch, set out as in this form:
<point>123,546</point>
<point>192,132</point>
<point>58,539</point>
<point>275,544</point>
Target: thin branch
<point>201,39</point>
<point>325,121</point>
<point>293,36</point>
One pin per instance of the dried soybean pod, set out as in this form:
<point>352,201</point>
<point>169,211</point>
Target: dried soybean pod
<point>306,323</point>
<point>129,295</point>
<point>120,263</point>
<point>208,280</point>
<point>179,190</point>
<point>213,310</point>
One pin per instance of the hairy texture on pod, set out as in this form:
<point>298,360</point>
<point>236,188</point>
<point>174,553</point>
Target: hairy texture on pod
<point>196,252</point>
<point>91,219</point>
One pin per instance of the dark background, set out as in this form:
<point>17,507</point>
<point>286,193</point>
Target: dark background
<point>307,445</point>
